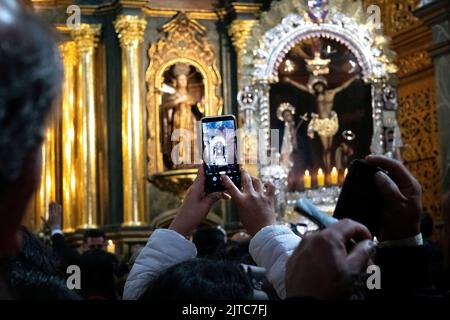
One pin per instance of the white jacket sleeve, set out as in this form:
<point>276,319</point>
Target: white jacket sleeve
<point>270,248</point>
<point>164,248</point>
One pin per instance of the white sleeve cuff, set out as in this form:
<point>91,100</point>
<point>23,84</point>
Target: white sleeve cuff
<point>270,248</point>
<point>57,231</point>
<point>417,240</point>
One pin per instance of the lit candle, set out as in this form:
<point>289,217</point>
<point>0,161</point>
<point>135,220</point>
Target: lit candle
<point>320,178</point>
<point>307,180</point>
<point>334,176</point>
<point>111,247</point>
<point>345,172</point>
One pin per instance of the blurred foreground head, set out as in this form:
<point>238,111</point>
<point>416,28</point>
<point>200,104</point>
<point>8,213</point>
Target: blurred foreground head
<point>33,274</point>
<point>31,74</point>
<point>201,279</point>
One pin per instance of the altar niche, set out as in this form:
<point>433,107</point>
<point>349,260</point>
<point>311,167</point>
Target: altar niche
<point>181,108</point>
<point>325,105</point>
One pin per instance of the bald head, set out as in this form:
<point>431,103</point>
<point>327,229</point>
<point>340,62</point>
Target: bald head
<point>30,81</point>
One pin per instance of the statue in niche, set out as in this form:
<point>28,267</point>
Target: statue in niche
<point>325,123</point>
<point>289,144</point>
<point>180,111</point>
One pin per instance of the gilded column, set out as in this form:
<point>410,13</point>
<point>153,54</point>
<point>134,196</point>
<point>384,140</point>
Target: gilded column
<point>69,179</point>
<point>240,31</point>
<point>86,39</point>
<point>130,31</point>
<point>47,189</point>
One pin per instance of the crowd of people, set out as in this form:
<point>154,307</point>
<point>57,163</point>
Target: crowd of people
<point>267,261</point>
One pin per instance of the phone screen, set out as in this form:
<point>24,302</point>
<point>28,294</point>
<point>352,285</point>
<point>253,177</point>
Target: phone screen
<point>219,151</point>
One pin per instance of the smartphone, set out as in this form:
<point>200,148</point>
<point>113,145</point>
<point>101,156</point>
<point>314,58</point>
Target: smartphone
<point>219,145</point>
<point>359,199</point>
<point>310,211</point>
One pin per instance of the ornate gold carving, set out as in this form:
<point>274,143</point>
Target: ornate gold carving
<point>68,52</point>
<point>130,31</point>
<point>427,172</point>
<point>402,16</point>
<point>240,31</point>
<point>86,36</point>
<point>417,117</point>
<point>413,62</point>
<point>396,15</point>
<point>182,40</point>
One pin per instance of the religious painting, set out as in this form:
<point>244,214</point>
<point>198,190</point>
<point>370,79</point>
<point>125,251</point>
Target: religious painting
<point>322,108</point>
<point>182,105</point>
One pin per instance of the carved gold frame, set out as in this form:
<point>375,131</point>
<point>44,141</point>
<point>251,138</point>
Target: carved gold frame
<point>287,23</point>
<point>182,40</point>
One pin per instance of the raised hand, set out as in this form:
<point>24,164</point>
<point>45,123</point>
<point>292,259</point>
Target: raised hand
<point>401,196</point>
<point>255,203</point>
<point>195,206</point>
<point>322,268</point>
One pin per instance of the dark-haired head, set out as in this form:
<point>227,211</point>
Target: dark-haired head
<point>94,239</point>
<point>210,242</point>
<point>30,81</point>
<point>99,272</point>
<point>201,279</point>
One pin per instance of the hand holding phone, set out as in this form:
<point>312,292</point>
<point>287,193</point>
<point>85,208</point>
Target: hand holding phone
<point>400,197</point>
<point>359,199</point>
<point>254,203</point>
<point>195,207</point>
<point>219,143</point>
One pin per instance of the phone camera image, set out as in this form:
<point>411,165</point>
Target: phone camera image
<point>219,151</point>
<point>219,142</point>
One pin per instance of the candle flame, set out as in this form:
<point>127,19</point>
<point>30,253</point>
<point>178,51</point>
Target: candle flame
<point>307,173</point>
<point>334,170</point>
<point>320,171</point>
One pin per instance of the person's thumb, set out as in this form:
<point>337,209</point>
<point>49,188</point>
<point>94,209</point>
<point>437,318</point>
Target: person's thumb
<point>360,255</point>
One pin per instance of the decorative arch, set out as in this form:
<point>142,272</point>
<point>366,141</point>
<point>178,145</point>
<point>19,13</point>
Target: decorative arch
<point>284,45</point>
<point>182,40</point>
<point>291,21</point>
